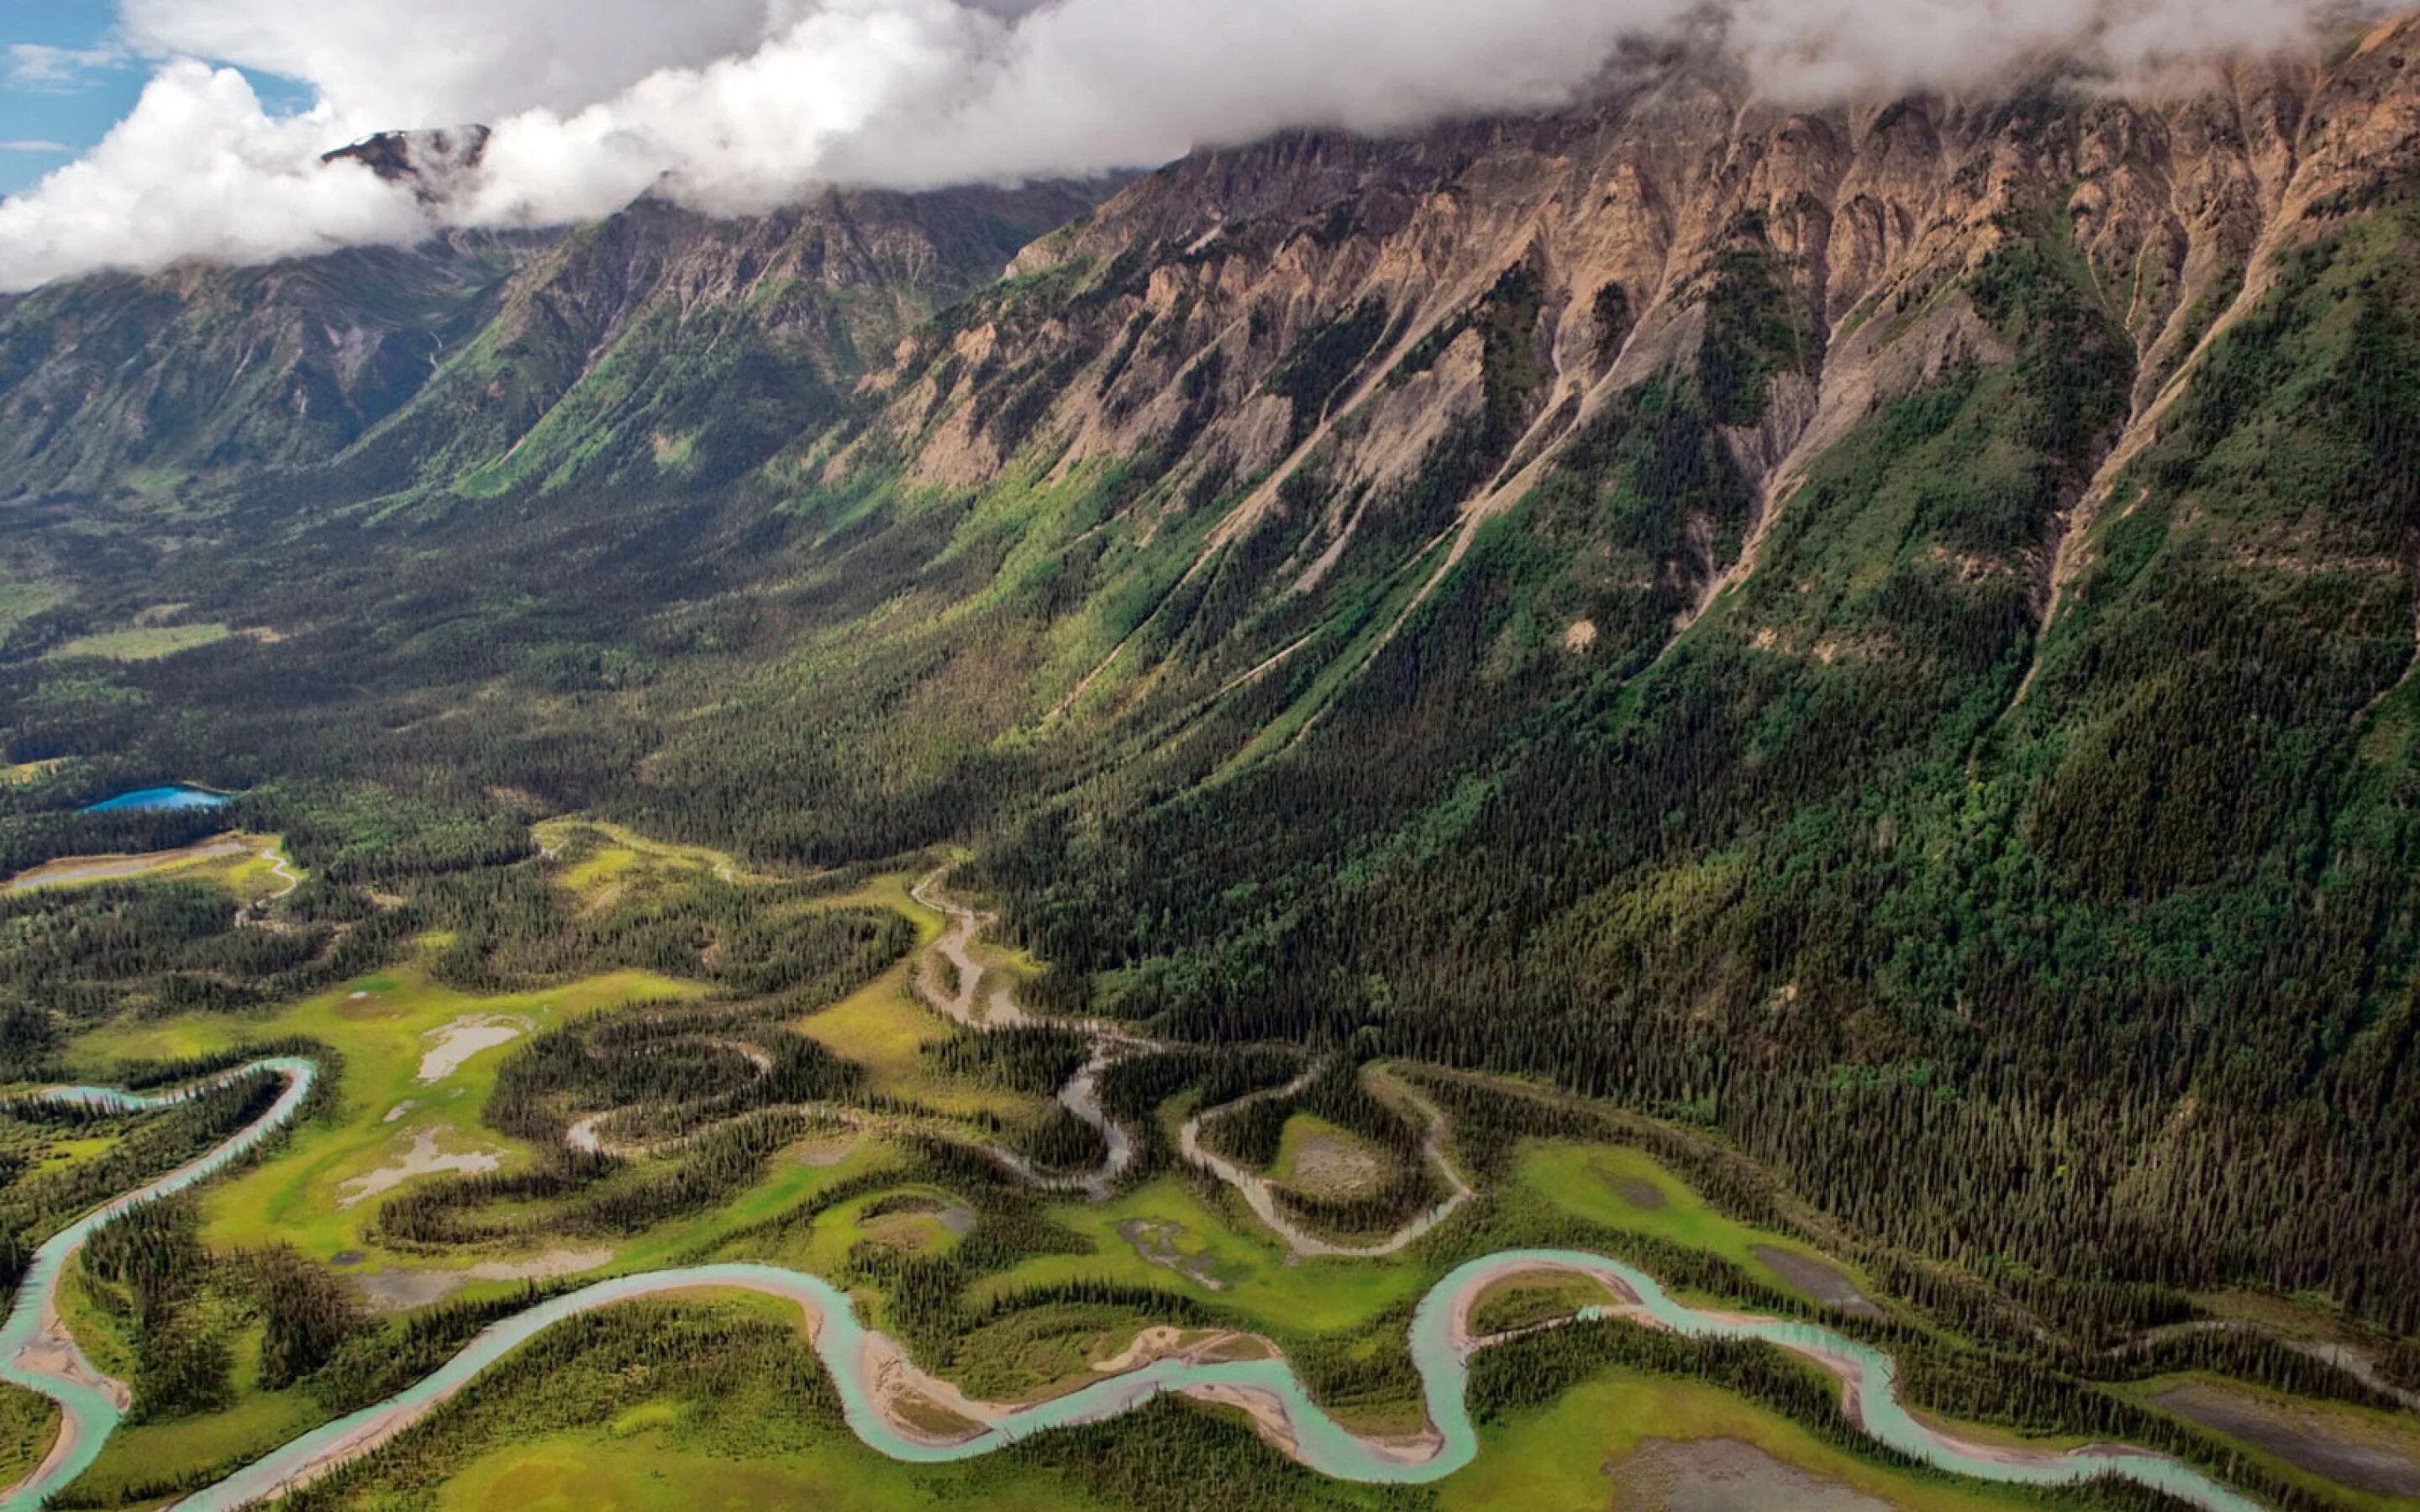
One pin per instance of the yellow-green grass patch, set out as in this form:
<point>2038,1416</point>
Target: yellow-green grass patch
<point>253,1424</point>
<point>233,861</point>
<point>251,876</point>
<point>383,1026</point>
<point>1253,1268</point>
<point>836,1233</point>
<point>1557,1457</point>
<point>254,876</point>
<point>1518,1302</point>
<point>884,1029</point>
<point>63,1154</point>
<point>894,891</point>
<point>1624,1188</point>
<point>821,1247</point>
<point>1319,1158</point>
<point>145,642</point>
<point>600,868</point>
<point>94,1324</point>
<point>916,1222</point>
<point>29,1424</point>
<point>790,1181</point>
<point>22,601</point>
<point>612,851</point>
<point>1039,1352</point>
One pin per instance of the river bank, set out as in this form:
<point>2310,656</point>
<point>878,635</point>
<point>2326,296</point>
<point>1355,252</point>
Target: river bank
<point>877,1382</point>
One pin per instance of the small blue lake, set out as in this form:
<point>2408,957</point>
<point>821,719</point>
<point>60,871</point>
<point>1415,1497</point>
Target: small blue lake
<point>160,800</point>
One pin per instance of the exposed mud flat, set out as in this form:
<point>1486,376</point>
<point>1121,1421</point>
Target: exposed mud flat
<point>1817,1280</point>
<point>1644,1196</point>
<point>452,1044</point>
<point>546,1267</point>
<point>101,867</point>
<point>913,1224</point>
<point>1724,1475</point>
<point>367,1007</point>
<point>2324,1443</point>
<point>1155,1244</point>
<point>425,1157</point>
<point>829,1148</point>
<point>401,1290</point>
<point>406,1288</point>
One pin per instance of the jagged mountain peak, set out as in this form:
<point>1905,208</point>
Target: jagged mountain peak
<point>432,161</point>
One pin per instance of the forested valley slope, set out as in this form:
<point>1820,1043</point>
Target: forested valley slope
<point>1879,636</point>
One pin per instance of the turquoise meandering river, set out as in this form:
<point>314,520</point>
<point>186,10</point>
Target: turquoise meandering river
<point>36,1351</point>
<point>31,1356</point>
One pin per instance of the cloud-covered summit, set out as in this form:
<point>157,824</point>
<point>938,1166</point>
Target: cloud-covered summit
<point>736,105</point>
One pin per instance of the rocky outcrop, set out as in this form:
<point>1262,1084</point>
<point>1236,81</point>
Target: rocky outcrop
<point>1176,323</point>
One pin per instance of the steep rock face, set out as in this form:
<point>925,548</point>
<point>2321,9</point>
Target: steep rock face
<point>1678,200</point>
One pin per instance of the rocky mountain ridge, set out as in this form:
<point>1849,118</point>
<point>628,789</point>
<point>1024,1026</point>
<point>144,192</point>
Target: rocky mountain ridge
<point>205,377</point>
<point>1630,220</point>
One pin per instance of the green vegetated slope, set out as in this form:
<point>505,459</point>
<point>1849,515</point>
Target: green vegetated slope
<point>1902,668</point>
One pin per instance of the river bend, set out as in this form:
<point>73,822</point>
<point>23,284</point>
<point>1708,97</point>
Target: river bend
<point>37,1353</point>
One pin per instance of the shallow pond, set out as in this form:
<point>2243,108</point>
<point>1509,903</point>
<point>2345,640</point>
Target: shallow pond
<point>160,800</point>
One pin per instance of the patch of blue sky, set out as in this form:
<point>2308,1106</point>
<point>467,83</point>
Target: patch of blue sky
<point>67,77</point>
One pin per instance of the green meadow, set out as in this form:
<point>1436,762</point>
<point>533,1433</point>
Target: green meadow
<point>1257,1277</point>
<point>1037,1292</point>
<point>1622,1188</point>
<point>145,642</point>
<point>1559,1458</point>
<point>394,1030</point>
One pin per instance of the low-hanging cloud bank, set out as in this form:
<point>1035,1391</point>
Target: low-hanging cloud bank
<point>734,106</point>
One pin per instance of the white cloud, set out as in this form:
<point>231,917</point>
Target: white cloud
<point>915,93</point>
<point>46,70</point>
<point>383,64</point>
<point>736,105</point>
<point>1824,47</point>
<point>35,147</point>
<point>197,170</point>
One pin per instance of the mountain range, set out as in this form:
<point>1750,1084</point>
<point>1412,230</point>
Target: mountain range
<point>1882,630</point>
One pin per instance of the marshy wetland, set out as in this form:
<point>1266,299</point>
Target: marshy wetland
<point>633,1178</point>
